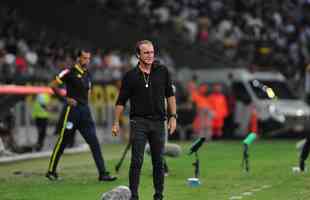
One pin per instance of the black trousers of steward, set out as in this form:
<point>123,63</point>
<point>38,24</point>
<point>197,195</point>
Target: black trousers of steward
<point>77,118</point>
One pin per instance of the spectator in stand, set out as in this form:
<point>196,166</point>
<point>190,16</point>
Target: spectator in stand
<point>97,59</point>
<point>21,64</point>
<point>203,30</point>
<point>31,57</point>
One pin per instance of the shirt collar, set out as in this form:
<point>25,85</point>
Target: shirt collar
<point>153,67</point>
<point>79,68</point>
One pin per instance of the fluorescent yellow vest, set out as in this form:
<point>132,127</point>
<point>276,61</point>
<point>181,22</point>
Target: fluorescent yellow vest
<point>38,110</point>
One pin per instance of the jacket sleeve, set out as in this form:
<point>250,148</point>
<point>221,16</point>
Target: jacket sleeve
<point>63,76</point>
<point>125,91</point>
<point>169,88</point>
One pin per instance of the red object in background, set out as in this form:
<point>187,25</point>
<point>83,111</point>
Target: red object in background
<point>204,36</point>
<point>21,64</point>
<point>27,90</point>
<point>253,126</point>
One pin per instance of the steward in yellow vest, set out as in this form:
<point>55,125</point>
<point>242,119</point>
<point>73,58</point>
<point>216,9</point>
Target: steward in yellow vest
<point>40,114</point>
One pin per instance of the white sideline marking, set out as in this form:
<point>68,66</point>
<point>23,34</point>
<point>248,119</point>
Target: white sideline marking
<point>266,186</point>
<point>27,156</point>
<point>235,197</point>
<point>250,193</point>
<point>247,193</point>
<point>256,190</point>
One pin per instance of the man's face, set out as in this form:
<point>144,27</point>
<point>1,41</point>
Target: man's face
<point>147,53</point>
<point>84,59</point>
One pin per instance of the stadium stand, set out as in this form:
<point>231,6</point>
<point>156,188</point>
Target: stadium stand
<point>37,43</point>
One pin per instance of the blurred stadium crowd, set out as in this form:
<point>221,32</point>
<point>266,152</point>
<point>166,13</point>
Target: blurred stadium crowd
<point>256,34</point>
<point>272,34</point>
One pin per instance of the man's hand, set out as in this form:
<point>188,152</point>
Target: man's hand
<point>71,101</point>
<point>172,125</point>
<point>115,128</point>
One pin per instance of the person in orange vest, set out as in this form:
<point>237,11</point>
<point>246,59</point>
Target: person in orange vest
<point>201,124</point>
<point>220,106</point>
<point>250,137</point>
<point>253,123</point>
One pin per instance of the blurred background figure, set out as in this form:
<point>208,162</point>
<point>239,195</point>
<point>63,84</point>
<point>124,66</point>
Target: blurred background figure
<point>307,84</point>
<point>304,154</point>
<point>40,115</point>
<point>220,107</point>
<point>3,151</point>
<point>7,124</point>
<point>204,112</point>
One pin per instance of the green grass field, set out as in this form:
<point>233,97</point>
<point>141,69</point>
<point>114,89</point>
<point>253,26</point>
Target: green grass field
<point>270,178</point>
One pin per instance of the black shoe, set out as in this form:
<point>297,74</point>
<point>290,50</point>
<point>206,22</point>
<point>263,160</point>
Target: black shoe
<point>158,197</point>
<point>107,177</point>
<point>52,176</point>
<point>302,165</point>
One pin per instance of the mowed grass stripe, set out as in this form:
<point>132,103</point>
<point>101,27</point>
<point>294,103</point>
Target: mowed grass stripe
<point>221,174</point>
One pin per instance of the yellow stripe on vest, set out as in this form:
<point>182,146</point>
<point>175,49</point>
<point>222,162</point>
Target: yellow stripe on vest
<point>60,140</point>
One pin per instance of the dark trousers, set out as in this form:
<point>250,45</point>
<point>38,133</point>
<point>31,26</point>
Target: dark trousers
<point>143,130</point>
<point>72,119</point>
<point>41,124</point>
<point>71,140</point>
<point>305,150</point>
